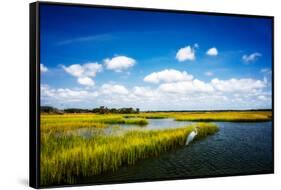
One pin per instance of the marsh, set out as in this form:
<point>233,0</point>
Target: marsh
<point>81,148</point>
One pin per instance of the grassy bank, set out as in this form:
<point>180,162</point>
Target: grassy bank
<point>66,158</point>
<point>64,122</point>
<point>233,116</point>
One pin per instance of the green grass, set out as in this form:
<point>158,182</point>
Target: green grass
<point>66,158</point>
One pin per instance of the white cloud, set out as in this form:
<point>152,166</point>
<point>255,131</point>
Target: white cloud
<point>251,57</point>
<point>114,89</point>
<point>244,85</point>
<point>46,91</point>
<point>83,72</point>
<point>247,85</point>
<point>175,90</point>
<point>141,91</point>
<point>212,51</point>
<point>186,53</point>
<point>179,95</point>
<point>91,69</point>
<point>168,75</point>
<point>86,81</point>
<point>186,87</point>
<point>68,93</point>
<point>209,73</point>
<point>64,95</point>
<point>43,68</point>
<point>119,63</point>
<point>75,70</point>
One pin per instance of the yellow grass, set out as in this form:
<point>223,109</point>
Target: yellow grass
<point>66,158</point>
<point>233,116</point>
<point>51,122</point>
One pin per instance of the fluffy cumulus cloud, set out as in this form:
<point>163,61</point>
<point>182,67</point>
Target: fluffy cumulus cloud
<point>84,73</point>
<point>141,91</point>
<point>244,93</point>
<point>64,95</point>
<point>112,89</point>
<point>186,53</point>
<point>186,87</point>
<point>43,68</point>
<point>212,52</point>
<point>251,57</point>
<point>178,91</point>
<point>74,70</point>
<point>246,85</point>
<point>86,81</point>
<point>88,69</point>
<point>119,63</point>
<point>168,75</point>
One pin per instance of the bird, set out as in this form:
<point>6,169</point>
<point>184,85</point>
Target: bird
<point>191,136</point>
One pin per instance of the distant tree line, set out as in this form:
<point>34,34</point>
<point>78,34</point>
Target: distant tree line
<point>100,110</point>
<point>103,110</point>
<point>50,109</point>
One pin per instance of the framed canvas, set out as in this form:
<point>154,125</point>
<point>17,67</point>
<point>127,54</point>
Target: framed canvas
<point>121,94</point>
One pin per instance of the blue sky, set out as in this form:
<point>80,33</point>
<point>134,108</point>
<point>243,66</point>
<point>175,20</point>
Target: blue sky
<point>153,60</point>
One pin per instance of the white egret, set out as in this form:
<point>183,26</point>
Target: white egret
<point>191,136</point>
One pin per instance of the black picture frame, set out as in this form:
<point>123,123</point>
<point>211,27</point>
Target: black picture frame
<point>34,86</point>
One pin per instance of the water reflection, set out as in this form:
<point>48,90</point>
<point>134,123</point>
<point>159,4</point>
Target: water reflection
<point>120,129</point>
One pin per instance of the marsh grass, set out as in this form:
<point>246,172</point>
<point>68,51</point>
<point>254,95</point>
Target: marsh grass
<point>64,122</point>
<point>231,116</point>
<point>66,158</point>
<point>205,129</point>
<point>149,115</point>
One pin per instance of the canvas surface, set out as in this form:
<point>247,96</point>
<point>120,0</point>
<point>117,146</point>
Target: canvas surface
<point>136,95</point>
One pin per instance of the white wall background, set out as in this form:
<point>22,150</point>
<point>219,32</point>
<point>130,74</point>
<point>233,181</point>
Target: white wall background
<point>14,57</point>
